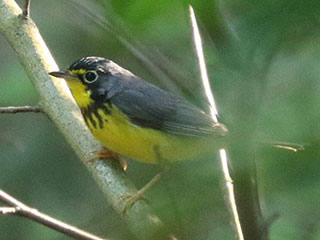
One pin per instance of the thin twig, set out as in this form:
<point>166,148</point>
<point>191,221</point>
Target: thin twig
<point>8,210</point>
<point>214,113</point>
<point>19,209</point>
<point>21,109</point>
<point>202,65</point>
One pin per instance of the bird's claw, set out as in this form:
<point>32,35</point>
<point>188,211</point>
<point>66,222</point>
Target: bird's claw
<point>104,153</point>
<point>131,198</point>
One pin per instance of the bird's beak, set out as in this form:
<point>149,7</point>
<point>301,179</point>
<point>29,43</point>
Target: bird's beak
<point>67,75</point>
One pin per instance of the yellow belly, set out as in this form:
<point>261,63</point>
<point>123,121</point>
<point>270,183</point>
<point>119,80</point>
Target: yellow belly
<point>144,144</point>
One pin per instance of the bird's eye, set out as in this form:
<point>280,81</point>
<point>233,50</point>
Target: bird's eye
<point>90,76</point>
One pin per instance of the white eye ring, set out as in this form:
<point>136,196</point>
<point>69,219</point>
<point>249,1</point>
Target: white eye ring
<point>90,76</point>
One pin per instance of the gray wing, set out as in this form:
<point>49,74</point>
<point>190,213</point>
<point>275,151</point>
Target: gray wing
<point>152,107</point>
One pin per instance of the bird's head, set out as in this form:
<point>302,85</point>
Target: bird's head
<point>91,78</point>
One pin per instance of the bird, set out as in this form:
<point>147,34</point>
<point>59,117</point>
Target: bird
<point>136,119</point>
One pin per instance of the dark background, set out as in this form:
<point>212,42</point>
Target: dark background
<point>263,61</point>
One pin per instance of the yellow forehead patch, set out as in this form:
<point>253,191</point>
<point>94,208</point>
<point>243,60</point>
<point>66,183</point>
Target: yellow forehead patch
<point>78,71</point>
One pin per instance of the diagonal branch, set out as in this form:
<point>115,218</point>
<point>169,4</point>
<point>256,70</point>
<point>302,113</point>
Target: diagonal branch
<point>57,103</point>
<point>19,209</point>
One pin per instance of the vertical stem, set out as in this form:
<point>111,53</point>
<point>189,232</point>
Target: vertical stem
<point>246,191</point>
<point>213,111</point>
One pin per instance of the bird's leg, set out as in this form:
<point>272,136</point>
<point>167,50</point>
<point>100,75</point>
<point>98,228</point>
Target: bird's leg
<point>26,11</point>
<point>131,199</point>
<point>105,153</point>
<point>134,197</point>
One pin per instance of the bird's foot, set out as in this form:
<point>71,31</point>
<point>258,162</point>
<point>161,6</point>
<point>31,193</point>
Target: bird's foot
<point>104,153</point>
<point>131,199</point>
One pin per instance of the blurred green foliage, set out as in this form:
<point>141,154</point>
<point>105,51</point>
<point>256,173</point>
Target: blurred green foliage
<point>263,60</point>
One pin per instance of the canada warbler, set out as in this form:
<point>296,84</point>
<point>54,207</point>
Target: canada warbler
<point>136,119</point>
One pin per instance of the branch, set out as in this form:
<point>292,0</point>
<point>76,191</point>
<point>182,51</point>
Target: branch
<point>214,112</point>
<point>22,109</point>
<point>58,104</point>
<point>19,209</point>
<point>242,193</point>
